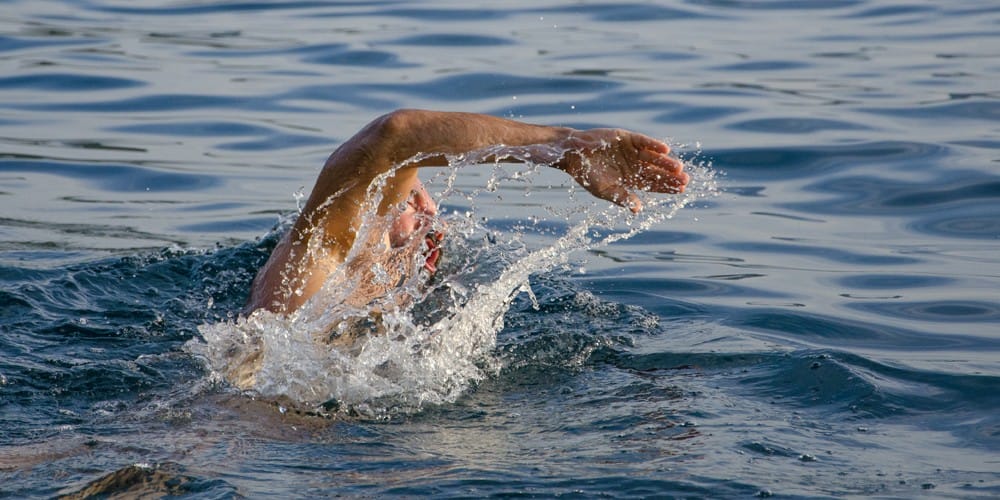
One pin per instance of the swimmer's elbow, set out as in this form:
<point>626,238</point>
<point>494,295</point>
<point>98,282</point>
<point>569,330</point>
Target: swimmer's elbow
<point>396,123</point>
<point>389,138</point>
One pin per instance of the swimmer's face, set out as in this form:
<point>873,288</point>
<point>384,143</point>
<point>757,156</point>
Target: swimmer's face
<point>413,223</point>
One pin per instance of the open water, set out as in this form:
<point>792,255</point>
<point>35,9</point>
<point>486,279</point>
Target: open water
<point>819,316</point>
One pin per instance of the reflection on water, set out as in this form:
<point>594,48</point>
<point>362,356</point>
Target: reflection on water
<point>825,327</point>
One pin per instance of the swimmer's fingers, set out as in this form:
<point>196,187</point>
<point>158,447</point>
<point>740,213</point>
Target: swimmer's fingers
<point>617,163</point>
<point>659,180</point>
<point>648,144</point>
<point>661,159</point>
<point>624,192</point>
<point>621,196</point>
<point>648,165</point>
<point>658,173</point>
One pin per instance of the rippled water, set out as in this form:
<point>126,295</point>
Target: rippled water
<point>828,325</point>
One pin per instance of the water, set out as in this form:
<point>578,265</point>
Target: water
<point>828,325</point>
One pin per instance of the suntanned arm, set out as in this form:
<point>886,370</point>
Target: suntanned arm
<point>610,163</point>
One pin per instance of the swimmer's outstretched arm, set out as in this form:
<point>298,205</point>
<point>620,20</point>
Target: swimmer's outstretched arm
<point>610,163</point>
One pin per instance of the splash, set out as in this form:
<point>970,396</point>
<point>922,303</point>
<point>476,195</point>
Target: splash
<point>426,339</point>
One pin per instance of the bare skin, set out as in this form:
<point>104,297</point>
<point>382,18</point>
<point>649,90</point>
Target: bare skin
<point>611,164</point>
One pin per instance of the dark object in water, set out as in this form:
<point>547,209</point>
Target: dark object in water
<point>137,481</point>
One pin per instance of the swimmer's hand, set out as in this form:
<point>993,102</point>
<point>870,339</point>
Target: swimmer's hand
<point>614,164</point>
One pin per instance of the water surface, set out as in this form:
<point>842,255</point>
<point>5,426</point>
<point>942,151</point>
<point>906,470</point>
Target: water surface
<point>828,325</point>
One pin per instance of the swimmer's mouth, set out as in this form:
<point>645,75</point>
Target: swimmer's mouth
<point>433,253</point>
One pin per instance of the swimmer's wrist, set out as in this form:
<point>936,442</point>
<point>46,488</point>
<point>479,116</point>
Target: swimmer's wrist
<point>570,143</point>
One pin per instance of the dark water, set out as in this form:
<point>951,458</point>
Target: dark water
<point>828,325</point>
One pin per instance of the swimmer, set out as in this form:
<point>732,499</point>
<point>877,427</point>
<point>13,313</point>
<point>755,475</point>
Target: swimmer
<point>612,164</point>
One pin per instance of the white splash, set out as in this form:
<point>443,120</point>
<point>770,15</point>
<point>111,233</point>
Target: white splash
<point>435,337</point>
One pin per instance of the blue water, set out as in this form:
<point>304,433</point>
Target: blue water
<point>828,324</point>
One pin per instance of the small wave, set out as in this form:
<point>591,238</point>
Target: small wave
<point>114,178</point>
<point>60,82</point>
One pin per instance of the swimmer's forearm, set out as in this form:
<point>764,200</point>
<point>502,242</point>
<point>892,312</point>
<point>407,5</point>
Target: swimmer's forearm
<point>410,132</point>
<point>612,164</point>
<point>626,161</point>
<point>396,137</point>
<point>400,135</point>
